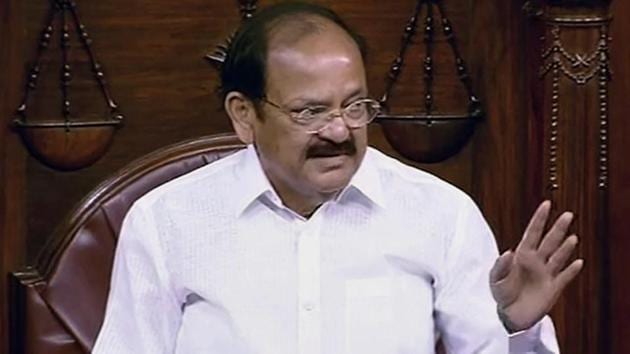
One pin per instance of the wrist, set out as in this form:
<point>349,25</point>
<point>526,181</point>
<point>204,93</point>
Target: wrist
<point>509,326</point>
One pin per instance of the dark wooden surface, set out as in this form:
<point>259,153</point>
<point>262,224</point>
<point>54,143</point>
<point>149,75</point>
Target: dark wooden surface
<point>12,156</point>
<point>152,52</point>
<point>619,198</point>
<point>497,34</point>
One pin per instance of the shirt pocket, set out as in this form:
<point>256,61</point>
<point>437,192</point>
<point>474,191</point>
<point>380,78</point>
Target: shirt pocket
<point>369,316</point>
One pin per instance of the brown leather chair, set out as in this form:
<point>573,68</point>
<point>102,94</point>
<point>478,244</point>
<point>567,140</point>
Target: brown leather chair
<point>57,306</point>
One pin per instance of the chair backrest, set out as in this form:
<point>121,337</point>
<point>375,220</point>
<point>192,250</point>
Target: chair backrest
<point>57,305</point>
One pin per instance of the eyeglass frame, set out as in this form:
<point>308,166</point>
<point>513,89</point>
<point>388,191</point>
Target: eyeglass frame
<point>330,113</point>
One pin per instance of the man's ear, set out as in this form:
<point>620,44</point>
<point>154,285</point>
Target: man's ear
<point>242,114</point>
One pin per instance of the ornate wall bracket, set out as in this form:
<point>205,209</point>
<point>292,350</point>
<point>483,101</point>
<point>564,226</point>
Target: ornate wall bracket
<point>580,69</point>
<point>247,9</point>
<point>429,137</point>
<point>69,144</point>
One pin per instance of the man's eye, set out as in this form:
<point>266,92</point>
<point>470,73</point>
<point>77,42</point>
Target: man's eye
<point>356,108</point>
<point>309,113</point>
<point>316,109</point>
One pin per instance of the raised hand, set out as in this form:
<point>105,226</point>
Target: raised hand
<point>527,282</point>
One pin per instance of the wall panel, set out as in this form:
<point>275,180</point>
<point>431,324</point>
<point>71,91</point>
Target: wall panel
<point>12,156</point>
<point>619,199</point>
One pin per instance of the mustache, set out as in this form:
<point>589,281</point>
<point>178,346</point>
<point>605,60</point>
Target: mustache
<point>332,149</point>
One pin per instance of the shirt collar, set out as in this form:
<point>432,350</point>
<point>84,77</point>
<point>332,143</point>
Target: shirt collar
<point>367,181</point>
<point>254,182</point>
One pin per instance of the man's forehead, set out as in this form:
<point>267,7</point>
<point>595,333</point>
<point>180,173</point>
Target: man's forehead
<point>300,63</point>
<point>328,46</point>
<point>290,31</point>
<point>303,59</point>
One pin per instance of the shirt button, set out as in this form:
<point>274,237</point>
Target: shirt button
<point>309,306</point>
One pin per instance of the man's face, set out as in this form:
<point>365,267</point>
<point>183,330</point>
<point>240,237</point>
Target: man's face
<point>320,69</point>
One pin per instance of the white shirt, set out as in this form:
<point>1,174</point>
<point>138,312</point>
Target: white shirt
<point>212,262</point>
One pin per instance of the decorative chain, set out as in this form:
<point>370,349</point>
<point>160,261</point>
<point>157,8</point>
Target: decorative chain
<point>604,78</point>
<point>396,66</point>
<point>62,8</point>
<point>428,64</point>
<point>576,61</point>
<point>581,68</point>
<point>553,136</point>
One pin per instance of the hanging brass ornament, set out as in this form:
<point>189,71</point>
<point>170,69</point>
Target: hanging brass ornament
<point>428,137</point>
<point>69,144</point>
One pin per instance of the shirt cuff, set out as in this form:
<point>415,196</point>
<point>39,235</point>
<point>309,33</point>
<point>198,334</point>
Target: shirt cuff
<point>538,339</point>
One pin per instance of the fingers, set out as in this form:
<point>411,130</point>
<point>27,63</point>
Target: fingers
<point>568,274</point>
<point>560,257</point>
<point>501,267</point>
<point>555,236</point>
<point>536,226</point>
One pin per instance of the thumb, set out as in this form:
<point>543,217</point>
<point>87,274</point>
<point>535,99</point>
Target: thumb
<point>502,267</point>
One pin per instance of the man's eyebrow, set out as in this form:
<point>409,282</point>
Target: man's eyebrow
<point>312,101</point>
<point>355,95</point>
<point>303,102</point>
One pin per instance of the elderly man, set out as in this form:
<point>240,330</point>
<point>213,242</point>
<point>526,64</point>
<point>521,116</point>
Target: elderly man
<point>310,242</point>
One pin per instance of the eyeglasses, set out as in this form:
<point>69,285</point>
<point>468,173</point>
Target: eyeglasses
<point>316,119</point>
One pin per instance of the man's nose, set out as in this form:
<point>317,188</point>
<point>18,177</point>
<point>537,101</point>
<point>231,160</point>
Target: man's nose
<point>336,130</point>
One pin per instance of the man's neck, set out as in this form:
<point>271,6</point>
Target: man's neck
<point>302,200</point>
<point>303,205</point>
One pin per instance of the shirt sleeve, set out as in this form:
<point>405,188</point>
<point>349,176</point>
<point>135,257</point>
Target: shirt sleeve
<point>465,311</point>
<point>143,314</point>
<point>539,339</point>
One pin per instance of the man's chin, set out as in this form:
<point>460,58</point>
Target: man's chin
<point>331,163</point>
<point>333,181</point>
